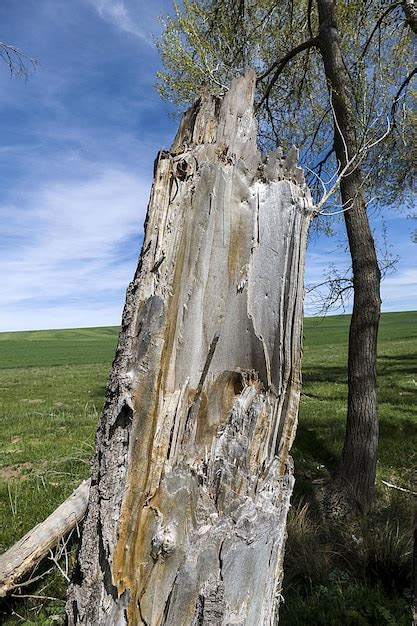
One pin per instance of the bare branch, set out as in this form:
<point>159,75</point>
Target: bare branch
<point>392,486</point>
<point>54,560</point>
<point>36,597</point>
<point>279,66</point>
<point>319,178</point>
<point>404,84</point>
<point>378,25</point>
<point>316,132</point>
<point>333,291</point>
<point>18,62</point>
<point>345,148</point>
<point>309,10</point>
<point>324,160</point>
<point>354,161</point>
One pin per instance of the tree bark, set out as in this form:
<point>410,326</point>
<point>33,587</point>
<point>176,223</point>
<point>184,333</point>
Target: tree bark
<point>410,11</point>
<point>192,476</point>
<point>356,475</point>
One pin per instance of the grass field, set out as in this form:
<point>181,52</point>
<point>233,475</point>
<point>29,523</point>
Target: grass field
<point>357,575</point>
<point>52,387</point>
<point>323,403</point>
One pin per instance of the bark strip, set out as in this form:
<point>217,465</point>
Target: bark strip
<point>192,476</point>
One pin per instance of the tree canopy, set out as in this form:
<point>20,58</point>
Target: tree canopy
<point>211,41</point>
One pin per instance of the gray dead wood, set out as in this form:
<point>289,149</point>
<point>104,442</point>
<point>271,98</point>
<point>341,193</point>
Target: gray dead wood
<point>192,477</point>
<point>25,555</point>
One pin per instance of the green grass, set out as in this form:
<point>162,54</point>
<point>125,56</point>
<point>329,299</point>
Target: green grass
<point>52,387</point>
<point>323,403</point>
<point>329,577</point>
<point>47,348</point>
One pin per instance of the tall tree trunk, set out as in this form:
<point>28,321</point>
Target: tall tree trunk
<point>192,476</point>
<point>356,476</point>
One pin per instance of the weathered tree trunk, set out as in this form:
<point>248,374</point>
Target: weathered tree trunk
<point>192,478</point>
<point>356,476</point>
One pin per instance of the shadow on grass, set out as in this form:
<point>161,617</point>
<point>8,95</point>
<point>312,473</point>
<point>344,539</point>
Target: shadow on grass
<point>309,443</point>
<point>325,374</point>
<point>392,370</point>
<point>405,364</point>
<point>321,428</point>
<point>100,392</point>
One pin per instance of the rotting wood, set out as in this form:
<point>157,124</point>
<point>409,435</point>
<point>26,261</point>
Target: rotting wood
<point>192,477</point>
<point>25,555</point>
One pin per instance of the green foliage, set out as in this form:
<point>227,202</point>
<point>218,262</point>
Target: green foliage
<point>211,41</point>
<point>345,604</point>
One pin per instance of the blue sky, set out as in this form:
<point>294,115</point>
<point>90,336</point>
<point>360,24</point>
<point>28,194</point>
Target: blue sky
<point>78,141</point>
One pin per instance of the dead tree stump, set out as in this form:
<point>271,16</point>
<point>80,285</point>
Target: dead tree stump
<point>192,478</point>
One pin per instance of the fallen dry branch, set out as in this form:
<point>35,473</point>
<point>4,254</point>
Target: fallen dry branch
<point>25,555</point>
<point>392,486</point>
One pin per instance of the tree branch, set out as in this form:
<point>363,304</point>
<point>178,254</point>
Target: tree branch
<point>16,60</point>
<point>399,92</point>
<point>322,162</point>
<point>317,130</point>
<point>385,482</point>
<point>278,66</point>
<point>378,25</point>
<point>309,10</point>
<point>354,161</point>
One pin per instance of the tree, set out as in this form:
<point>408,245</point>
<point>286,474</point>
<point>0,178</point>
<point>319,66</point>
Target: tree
<point>334,92</point>
<point>191,479</point>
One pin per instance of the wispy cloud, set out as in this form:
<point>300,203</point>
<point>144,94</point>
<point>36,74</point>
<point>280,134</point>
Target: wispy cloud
<point>117,13</point>
<point>77,146</point>
<point>398,289</point>
<point>77,248</point>
<point>399,292</point>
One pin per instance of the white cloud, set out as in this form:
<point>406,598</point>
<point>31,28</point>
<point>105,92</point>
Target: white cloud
<point>399,292</point>
<point>117,13</point>
<point>70,315</point>
<point>69,250</point>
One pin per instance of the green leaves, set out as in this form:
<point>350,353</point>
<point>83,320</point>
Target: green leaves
<point>211,41</point>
